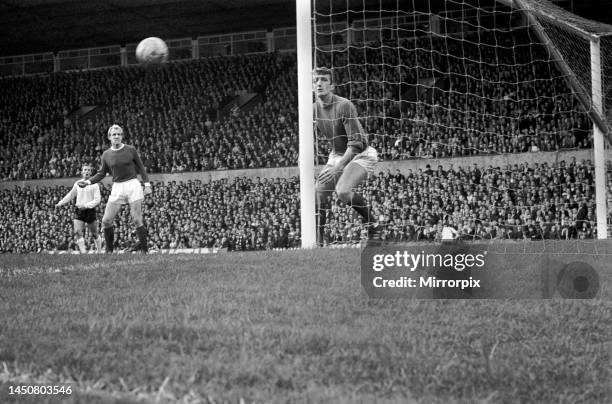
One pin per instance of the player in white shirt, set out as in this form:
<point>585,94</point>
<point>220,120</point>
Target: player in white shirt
<point>87,199</point>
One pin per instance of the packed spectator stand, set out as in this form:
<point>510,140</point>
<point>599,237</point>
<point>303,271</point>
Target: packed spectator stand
<point>536,201</point>
<point>172,115</point>
<point>169,114</point>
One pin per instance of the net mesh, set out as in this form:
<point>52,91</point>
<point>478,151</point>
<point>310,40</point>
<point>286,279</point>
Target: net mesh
<point>609,187</point>
<point>498,142</point>
<point>571,35</point>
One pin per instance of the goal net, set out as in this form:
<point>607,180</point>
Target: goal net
<point>478,122</point>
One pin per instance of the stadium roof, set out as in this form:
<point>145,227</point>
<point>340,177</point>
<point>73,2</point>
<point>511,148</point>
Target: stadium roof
<point>32,26</point>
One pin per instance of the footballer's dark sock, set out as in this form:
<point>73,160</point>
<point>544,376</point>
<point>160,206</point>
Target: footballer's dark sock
<point>359,203</point>
<point>142,237</point>
<point>109,237</point>
<point>321,226</point>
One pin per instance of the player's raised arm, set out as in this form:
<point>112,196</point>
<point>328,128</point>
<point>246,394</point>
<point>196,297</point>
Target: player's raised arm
<point>97,177</point>
<point>68,197</point>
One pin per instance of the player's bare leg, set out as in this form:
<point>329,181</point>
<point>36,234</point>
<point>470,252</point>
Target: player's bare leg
<point>93,230</point>
<point>79,226</point>
<point>141,230</point>
<point>353,176</point>
<point>111,210</point>
<point>323,192</point>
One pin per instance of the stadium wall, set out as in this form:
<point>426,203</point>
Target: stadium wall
<point>286,172</point>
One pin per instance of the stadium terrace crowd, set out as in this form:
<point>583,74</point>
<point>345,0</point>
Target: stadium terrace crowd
<point>520,202</point>
<point>494,93</point>
<point>177,115</point>
<point>171,114</point>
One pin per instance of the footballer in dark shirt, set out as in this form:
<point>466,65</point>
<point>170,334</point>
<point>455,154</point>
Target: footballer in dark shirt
<point>124,164</point>
<point>351,159</point>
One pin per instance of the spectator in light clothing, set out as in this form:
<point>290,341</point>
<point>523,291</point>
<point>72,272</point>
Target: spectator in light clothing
<point>449,233</point>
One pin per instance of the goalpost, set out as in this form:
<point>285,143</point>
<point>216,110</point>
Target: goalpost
<point>305,124</point>
<point>433,80</point>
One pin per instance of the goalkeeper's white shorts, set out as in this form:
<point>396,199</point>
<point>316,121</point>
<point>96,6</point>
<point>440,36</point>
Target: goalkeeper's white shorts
<point>367,159</point>
<point>126,192</point>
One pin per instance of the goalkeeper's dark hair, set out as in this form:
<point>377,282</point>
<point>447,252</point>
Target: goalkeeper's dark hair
<point>324,71</point>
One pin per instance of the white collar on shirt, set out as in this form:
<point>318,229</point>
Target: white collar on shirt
<point>122,144</point>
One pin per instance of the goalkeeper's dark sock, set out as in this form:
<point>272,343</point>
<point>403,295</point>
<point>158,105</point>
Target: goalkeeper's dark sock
<point>359,203</point>
<point>321,226</point>
<point>142,238</point>
<point>109,237</point>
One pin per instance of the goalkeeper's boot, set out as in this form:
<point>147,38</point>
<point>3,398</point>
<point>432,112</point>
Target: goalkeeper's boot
<point>137,249</point>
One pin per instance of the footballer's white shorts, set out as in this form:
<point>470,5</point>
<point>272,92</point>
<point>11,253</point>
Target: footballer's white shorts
<point>126,192</point>
<point>367,159</point>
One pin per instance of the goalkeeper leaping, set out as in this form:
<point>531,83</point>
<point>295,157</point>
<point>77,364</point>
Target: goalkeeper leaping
<point>351,159</point>
<point>124,164</point>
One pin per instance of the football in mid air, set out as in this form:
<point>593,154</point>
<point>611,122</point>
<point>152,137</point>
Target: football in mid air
<point>152,50</point>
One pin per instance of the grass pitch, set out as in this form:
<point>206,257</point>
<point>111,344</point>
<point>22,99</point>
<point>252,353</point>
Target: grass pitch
<point>281,327</point>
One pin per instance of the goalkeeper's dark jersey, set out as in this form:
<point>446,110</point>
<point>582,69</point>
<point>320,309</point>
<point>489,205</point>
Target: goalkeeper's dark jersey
<point>339,123</point>
<point>123,164</point>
